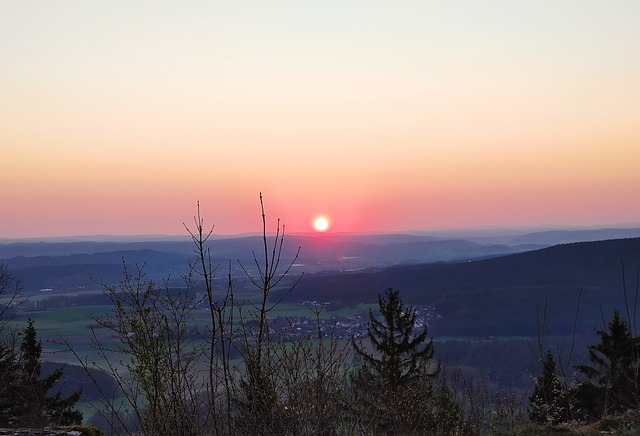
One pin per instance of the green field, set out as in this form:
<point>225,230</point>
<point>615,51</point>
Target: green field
<point>291,320</point>
<point>73,323</point>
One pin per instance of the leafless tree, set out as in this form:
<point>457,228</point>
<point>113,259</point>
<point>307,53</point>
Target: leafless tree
<point>10,292</point>
<point>152,357</point>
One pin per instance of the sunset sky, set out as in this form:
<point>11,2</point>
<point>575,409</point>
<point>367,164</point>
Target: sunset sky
<point>116,117</point>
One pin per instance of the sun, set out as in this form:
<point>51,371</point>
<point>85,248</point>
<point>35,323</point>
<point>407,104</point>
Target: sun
<point>321,224</point>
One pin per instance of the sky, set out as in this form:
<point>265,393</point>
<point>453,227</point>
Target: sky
<point>118,117</point>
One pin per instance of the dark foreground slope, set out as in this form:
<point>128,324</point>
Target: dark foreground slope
<point>501,296</point>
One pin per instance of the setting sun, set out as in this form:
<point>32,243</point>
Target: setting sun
<point>321,224</point>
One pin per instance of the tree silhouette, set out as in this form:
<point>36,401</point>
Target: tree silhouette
<point>32,406</point>
<point>549,403</point>
<point>612,381</point>
<point>10,295</point>
<point>394,381</point>
<point>8,369</point>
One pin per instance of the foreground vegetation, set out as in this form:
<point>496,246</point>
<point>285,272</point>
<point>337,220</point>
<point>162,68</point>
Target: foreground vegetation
<point>240,376</point>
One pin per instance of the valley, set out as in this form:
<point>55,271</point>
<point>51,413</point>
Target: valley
<point>482,302</point>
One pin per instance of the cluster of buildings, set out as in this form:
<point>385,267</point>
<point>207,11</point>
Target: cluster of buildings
<point>339,327</point>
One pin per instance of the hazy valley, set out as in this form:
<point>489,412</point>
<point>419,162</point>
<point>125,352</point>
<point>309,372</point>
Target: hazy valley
<point>487,300</point>
<point>476,289</point>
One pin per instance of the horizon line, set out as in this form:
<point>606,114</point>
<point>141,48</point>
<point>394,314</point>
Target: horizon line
<point>416,232</point>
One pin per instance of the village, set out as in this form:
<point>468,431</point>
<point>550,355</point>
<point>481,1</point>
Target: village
<point>337,327</point>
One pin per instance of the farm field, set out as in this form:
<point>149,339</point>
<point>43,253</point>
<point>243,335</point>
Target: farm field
<point>73,323</point>
<point>295,320</point>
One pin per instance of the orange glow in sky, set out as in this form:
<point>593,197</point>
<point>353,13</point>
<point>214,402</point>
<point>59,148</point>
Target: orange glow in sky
<point>116,118</point>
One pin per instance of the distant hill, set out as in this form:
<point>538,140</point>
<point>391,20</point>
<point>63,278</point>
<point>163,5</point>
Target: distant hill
<point>79,271</point>
<point>72,265</point>
<point>385,250</point>
<point>555,237</point>
<point>40,248</point>
<point>503,295</point>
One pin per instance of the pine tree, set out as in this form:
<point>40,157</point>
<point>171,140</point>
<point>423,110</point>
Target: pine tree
<point>549,402</point>
<point>394,382</point>
<point>612,382</point>
<point>33,407</point>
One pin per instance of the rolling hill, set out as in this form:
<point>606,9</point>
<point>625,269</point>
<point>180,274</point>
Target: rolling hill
<point>500,296</point>
<point>70,265</point>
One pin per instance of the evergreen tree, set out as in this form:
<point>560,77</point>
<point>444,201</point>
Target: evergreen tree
<point>549,403</point>
<point>33,407</point>
<point>393,382</point>
<point>612,381</point>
